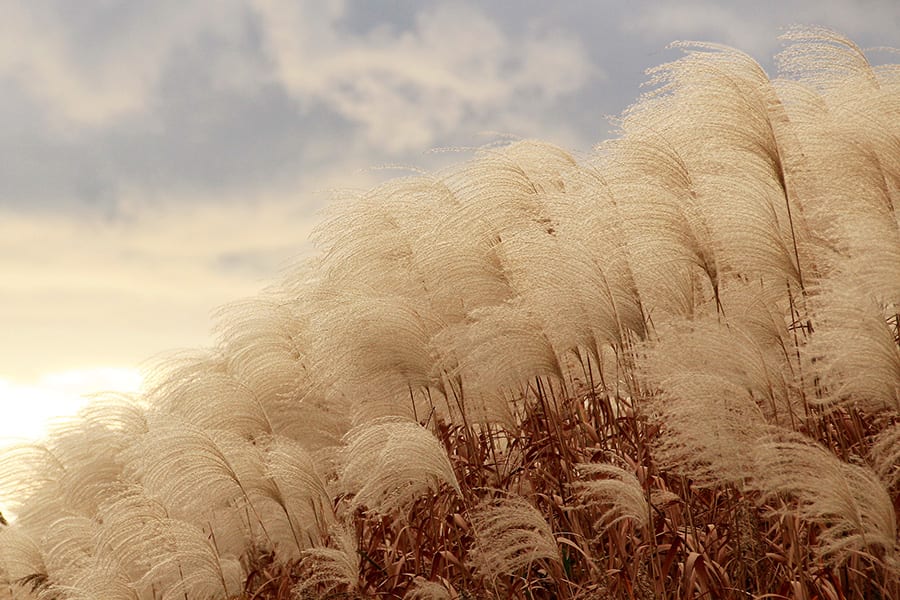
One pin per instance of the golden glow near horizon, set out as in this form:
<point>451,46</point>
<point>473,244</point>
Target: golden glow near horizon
<point>30,407</point>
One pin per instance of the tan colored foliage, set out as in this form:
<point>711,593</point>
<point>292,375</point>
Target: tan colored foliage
<point>670,369</point>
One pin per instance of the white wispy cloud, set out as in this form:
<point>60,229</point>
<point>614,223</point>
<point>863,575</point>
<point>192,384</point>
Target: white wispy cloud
<point>407,89</point>
<point>94,62</point>
<point>99,62</point>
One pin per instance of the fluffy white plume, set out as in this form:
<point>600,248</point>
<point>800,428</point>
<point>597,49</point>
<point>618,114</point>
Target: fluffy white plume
<point>510,536</point>
<point>389,463</point>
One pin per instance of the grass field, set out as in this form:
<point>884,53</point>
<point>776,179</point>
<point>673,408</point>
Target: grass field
<point>669,369</point>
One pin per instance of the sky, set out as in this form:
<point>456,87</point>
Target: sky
<point>160,159</point>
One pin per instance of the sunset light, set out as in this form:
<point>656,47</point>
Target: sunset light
<point>30,407</point>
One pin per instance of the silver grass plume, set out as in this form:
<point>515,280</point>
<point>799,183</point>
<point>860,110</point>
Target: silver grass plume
<point>388,463</point>
<point>21,560</point>
<point>377,350</point>
<point>886,456</point>
<point>71,472</point>
<point>698,356</point>
<point>30,485</point>
<point>368,241</point>
<point>588,316</point>
<point>68,547</point>
<point>128,528</point>
<point>199,390</point>
<point>577,212</point>
<point>76,567</point>
<point>174,557</point>
<point>854,350</point>
<point>643,176</point>
<point>845,114</point>
<point>427,590</point>
<point>299,487</point>
<point>718,108</point>
<point>190,470</point>
<point>502,347</point>
<point>265,348</point>
<point>329,569</point>
<point>510,536</point>
<point>614,490</point>
<point>825,59</point>
<point>186,563</point>
<point>706,368</point>
<point>854,508</point>
<point>712,450</point>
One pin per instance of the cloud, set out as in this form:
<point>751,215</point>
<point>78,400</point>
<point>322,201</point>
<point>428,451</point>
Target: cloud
<point>407,89</point>
<point>754,27</point>
<point>702,19</point>
<point>102,97</point>
<point>94,62</point>
<point>81,293</point>
<point>97,63</point>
